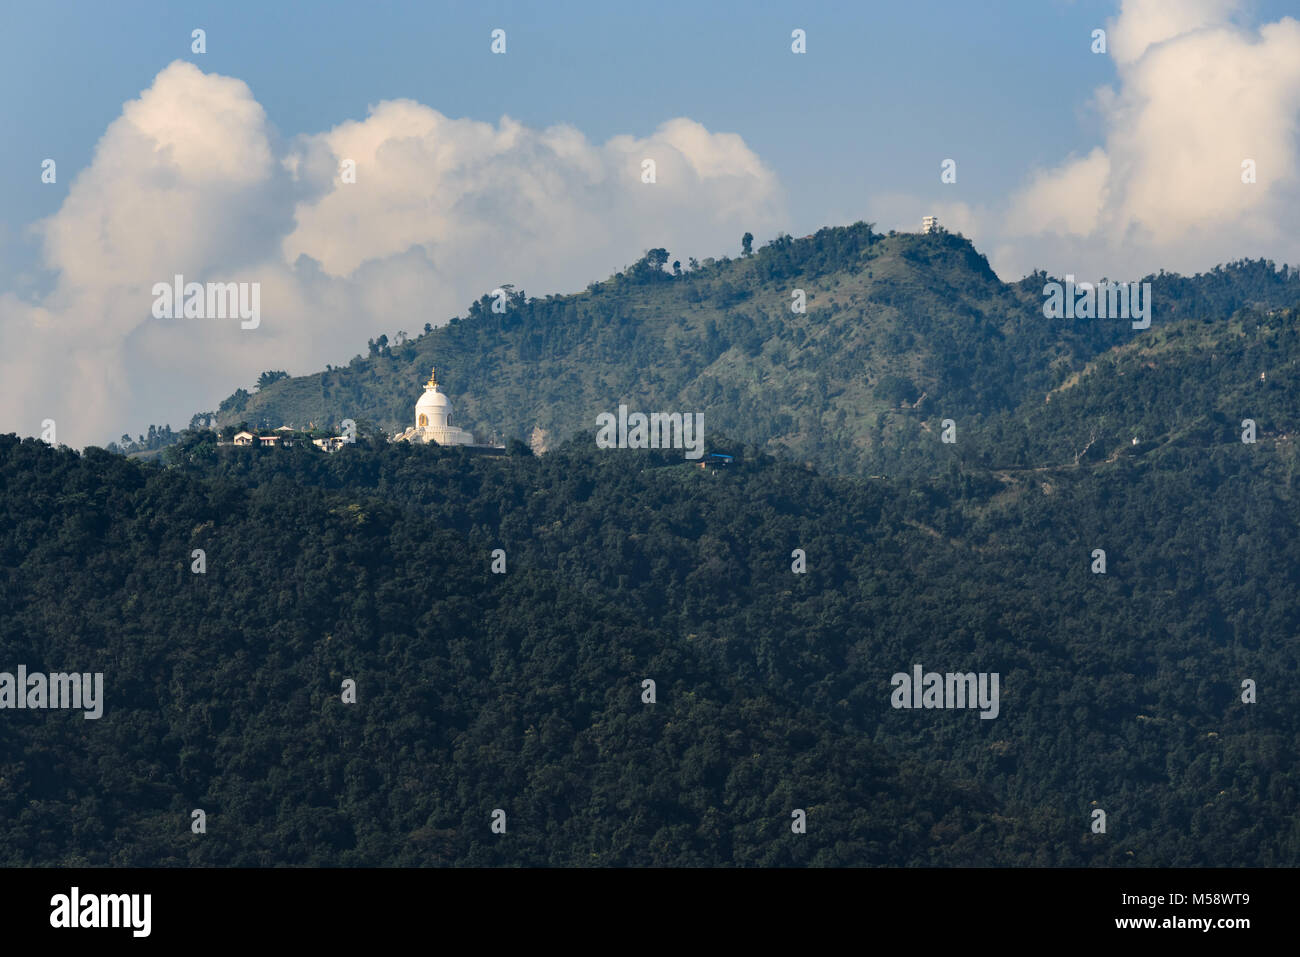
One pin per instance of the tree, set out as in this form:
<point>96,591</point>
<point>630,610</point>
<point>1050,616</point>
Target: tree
<point>266,378</point>
<point>677,267</point>
<point>235,402</point>
<point>747,244</point>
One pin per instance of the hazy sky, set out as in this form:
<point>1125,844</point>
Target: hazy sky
<point>475,169</point>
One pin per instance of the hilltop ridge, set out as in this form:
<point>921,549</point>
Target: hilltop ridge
<point>899,331</point>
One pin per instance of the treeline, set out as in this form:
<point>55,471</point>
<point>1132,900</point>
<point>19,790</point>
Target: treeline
<point>887,321</point>
<point>523,691</point>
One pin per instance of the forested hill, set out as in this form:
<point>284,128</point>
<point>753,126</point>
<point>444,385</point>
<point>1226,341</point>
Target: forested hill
<point>899,333</point>
<point>1121,684</point>
<point>523,691</point>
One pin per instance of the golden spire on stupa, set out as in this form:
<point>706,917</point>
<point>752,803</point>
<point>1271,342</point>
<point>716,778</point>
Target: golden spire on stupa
<point>433,378</point>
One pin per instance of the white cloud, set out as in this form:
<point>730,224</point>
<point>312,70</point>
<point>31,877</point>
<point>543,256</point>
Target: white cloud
<point>1196,97</point>
<point>1067,200</point>
<point>190,158</point>
<point>190,179</point>
<point>1144,23</point>
<point>546,202</point>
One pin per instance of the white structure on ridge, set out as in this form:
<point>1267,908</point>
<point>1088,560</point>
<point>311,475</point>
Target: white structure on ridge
<point>433,419</point>
<point>930,224</point>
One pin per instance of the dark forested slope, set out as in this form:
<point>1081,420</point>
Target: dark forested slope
<point>522,691</point>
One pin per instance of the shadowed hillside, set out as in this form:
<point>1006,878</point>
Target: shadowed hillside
<point>523,690</point>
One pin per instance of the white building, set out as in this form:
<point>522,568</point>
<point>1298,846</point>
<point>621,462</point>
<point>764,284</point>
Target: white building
<point>284,437</point>
<point>433,419</point>
<point>929,224</point>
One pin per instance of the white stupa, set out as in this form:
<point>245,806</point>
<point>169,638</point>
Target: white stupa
<point>433,419</point>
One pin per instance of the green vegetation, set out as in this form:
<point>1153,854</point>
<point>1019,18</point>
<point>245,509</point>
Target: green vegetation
<point>890,319</point>
<point>522,691</point>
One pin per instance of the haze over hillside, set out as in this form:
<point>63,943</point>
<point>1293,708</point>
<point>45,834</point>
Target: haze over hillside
<point>899,332</point>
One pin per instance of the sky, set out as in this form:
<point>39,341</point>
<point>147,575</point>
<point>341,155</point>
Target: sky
<point>474,169</point>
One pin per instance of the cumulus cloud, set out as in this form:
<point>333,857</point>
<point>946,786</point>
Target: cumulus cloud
<point>545,200</point>
<point>192,180</point>
<point>191,157</point>
<point>1197,96</point>
<point>1144,23</point>
<point>1067,200</point>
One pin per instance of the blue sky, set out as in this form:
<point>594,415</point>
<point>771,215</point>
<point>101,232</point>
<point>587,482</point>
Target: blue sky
<point>476,169</point>
<point>885,92</point>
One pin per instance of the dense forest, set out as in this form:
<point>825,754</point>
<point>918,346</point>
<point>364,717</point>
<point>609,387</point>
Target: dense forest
<point>523,691</point>
<point>359,658</point>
